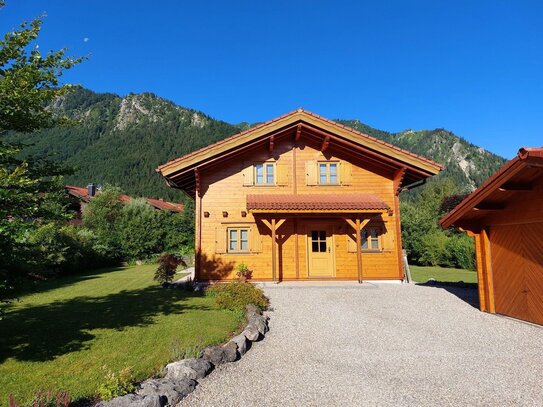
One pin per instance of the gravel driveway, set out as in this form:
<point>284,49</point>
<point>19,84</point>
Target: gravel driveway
<point>386,345</point>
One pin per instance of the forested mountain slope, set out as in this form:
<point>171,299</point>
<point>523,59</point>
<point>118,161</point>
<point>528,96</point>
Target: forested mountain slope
<point>121,140</point>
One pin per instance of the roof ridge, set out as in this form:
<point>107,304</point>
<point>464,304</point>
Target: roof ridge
<point>300,110</point>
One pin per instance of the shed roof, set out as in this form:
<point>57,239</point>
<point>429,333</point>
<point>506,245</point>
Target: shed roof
<point>515,175</point>
<point>315,202</point>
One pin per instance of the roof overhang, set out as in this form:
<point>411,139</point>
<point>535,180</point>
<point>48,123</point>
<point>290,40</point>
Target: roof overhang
<point>514,177</point>
<point>315,203</point>
<point>182,172</point>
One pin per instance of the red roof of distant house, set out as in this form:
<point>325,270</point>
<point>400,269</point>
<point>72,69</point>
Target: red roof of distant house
<point>317,202</point>
<point>83,194</point>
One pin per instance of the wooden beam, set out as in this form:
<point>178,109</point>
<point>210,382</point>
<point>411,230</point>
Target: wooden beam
<point>489,206</point>
<point>272,140</point>
<point>510,186</point>
<point>274,249</point>
<point>298,133</point>
<point>296,249</point>
<point>489,278</point>
<point>362,225</point>
<point>358,227</point>
<point>480,271</point>
<point>397,179</point>
<point>197,176</point>
<point>325,144</point>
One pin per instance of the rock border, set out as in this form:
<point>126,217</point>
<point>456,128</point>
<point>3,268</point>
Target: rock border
<point>182,377</point>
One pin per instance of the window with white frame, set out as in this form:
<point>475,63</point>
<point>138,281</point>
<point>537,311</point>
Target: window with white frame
<point>328,173</point>
<point>264,174</point>
<point>238,240</point>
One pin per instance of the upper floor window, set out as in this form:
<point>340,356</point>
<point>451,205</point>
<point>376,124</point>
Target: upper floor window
<point>370,239</point>
<point>265,174</point>
<point>328,173</point>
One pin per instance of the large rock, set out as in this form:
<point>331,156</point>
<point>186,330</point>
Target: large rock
<point>188,369</point>
<point>241,343</point>
<point>252,310</point>
<point>251,333</point>
<point>230,351</point>
<point>260,323</point>
<point>214,354</point>
<point>135,400</point>
<point>173,390</point>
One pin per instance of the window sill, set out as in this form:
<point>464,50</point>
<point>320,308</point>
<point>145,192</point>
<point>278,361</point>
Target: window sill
<point>239,252</point>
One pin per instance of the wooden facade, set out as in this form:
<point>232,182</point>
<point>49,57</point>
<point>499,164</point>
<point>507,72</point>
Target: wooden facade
<point>505,217</point>
<point>298,198</point>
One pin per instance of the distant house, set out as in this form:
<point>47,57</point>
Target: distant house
<point>298,198</point>
<point>84,195</point>
<point>505,216</point>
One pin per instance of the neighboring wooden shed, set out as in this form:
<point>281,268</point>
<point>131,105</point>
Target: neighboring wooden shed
<point>299,197</point>
<point>505,216</point>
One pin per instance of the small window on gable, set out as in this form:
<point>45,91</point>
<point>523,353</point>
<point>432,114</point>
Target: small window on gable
<point>238,240</point>
<point>264,174</point>
<point>328,173</point>
<point>370,239</point>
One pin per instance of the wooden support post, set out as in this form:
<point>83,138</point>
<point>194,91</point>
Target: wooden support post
<point>274,249</point>
<point>359,250</point>
<point>358,225</point>
<point>272,142</point>
<point>298,133</point>
<point>325,143</point>
<point>481,280</point>
<point>489,280</point>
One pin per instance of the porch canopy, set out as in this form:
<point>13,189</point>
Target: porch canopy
<point>356,209</point>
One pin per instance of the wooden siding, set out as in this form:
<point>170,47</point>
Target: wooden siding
<point>224,189</point>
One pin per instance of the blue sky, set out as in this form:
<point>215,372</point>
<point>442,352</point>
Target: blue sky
<point>473,67</point>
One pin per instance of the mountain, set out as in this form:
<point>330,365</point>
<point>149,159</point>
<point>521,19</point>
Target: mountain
<point>121,140</point>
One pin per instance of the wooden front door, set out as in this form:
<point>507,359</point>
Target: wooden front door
<point>320,251</point>
<point>517,267</point>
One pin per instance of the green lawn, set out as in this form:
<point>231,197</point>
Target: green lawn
<point>60,337</point>
<point>423,274</point>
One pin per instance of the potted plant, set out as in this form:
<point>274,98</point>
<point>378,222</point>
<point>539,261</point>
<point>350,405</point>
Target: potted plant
<point>243,272</point>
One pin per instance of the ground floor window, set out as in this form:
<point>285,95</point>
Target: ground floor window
<point>238,240</point>
<point>370,239</point>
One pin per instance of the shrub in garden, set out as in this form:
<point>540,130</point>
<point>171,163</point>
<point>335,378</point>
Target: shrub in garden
<point>236,296</point>
<point>243,272</point>
<point>116,384</point>
<point>167,266</point>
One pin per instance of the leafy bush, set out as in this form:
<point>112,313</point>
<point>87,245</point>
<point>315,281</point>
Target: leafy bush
<point>65,249</point>
<point>236,296</point>
<point>116,384</point>
<point>461,252</point>
<point>167,265</point>
<point>433,248</point>
<point>46,399</point>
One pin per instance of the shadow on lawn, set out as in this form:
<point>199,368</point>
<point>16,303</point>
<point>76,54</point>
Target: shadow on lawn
<point>467,292</point>
<point>43,332</point>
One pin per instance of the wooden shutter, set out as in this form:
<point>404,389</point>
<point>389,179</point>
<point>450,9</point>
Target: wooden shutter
<point>255,239</point>
<point>247,173</point>
<point>346,173</point>
<point>282,173</point>
<point>220,240</point>
<point>311,172</point>
<point>351,242</point>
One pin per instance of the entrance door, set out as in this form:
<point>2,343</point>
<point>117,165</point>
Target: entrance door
<point>320,251</point>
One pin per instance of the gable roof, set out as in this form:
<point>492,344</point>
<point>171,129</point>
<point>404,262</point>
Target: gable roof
<point>301,121</point>
<point>83,194</point>
<point>527,165</point>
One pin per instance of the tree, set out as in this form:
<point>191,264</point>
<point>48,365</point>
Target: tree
<point>31,192</point>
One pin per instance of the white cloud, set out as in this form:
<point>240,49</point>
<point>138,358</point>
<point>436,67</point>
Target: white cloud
<point>86,39</point>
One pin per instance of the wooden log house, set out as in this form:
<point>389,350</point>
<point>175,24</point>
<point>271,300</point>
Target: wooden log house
<point>299,197</point>
<point>505,217</point>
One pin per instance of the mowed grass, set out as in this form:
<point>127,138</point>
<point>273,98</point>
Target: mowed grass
<point>60,337</point>
<point>423,274</point>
